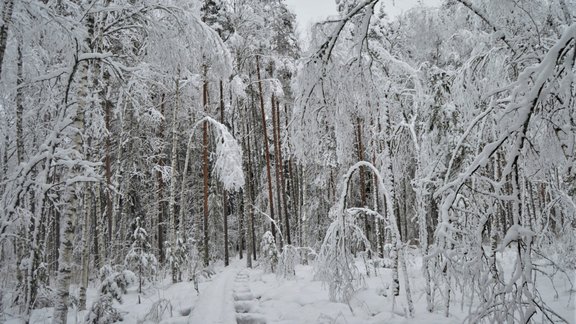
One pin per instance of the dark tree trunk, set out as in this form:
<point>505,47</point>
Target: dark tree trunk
<point>266,148</point>
<point>224,193</point>
<point>278,165</point>
<point>205,166</point>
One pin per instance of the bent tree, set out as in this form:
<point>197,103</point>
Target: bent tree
<point>227,165</point>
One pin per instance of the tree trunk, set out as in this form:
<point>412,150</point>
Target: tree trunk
<point>36,232</point>
<point>205,166</point>
<point>19,109</point>
<point>396,239</point>
<point>4,162</point>
<point>108,171</point>
<point>173,226</point>
<point>293,184</point>
<point>282,178</point>
<point>71,214</point>
<point>160,190</point>
<point>278,168</point>
<point>224,193</point>
<point>360,151</point>
<point>266,148</point>
<point>117,202</point>
<point>85,250</point>
<point>302,200</point>
<point>65,261</point>
<point>247,203</point>
<point>423,238</point>
<point>406,278</point>
<point>250,188</point>
<point>99,235</point>
<point>7,19</point>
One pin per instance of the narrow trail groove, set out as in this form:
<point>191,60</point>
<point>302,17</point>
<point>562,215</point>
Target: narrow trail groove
<point>215,303</point>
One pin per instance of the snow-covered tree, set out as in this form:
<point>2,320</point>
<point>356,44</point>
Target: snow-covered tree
<point>139,258</point>
<point>269,253</point>
<point>287,261</point>
<point>114,285</point>
<point>453,128</point>
<point>176,258</point>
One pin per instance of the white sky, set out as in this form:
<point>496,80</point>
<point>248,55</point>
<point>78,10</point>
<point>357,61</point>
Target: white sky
<point>311,11</point>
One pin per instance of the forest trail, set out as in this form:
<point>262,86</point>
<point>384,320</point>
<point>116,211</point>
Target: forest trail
<point>215,303</point>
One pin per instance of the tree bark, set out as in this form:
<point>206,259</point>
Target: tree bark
<point>250,188</point>
<point>7,19</point>
<point>266,148</point>
<point>393,202</point>
<point>282,178</point>
<point>205,166</point>
<point>65,262</point>
<point>19,108</point>
<point>85,251</point>
<point>173,226</point>
<point>69,218</point>
<point>360,151</point>
<point>160,190</point>
<point>247,203</point>
<point>99,235</point>
<point>224,193</point>
<point>292,185</point>
<point>278,167</point>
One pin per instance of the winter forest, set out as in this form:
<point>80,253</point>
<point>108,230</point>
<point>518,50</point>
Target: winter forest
<point>171,161</point>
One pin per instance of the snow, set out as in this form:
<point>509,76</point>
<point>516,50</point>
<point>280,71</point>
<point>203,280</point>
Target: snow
<point>240,295</point>
<point>502,118</point>
<point>215,304</point>
<point>515,233</point>
<point>228,164</point>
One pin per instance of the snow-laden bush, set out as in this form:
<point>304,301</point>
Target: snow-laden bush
<point>160,310</point>
<point>269,259</point>
<point>193,262</point>
<point>103,311</point>
<point>565,251</point>
<point>114,285</point>
<point>336,266</point>
<point>287,262</point>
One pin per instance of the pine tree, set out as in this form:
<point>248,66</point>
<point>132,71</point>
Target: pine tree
<point>139,258</point>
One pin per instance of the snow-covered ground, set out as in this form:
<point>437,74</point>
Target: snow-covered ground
<point>250,296</point>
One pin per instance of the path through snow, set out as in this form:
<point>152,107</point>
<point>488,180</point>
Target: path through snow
<point>245,301</point>
<point>215,303</point>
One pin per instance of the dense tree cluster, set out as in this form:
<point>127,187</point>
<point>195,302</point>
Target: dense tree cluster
<point>173,134</point>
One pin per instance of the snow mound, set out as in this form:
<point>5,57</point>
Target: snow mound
<point>243,296</point>
<point>250,318</point>
<point>244,306</point>
<point>242,290</point>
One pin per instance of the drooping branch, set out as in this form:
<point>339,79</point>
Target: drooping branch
<point>229,157</point>
<point>478,12</point>
<point>528,88</point>
<point>325,50</point>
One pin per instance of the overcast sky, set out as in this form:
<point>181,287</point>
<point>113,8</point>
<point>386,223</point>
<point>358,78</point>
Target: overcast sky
<point>310,11</point>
